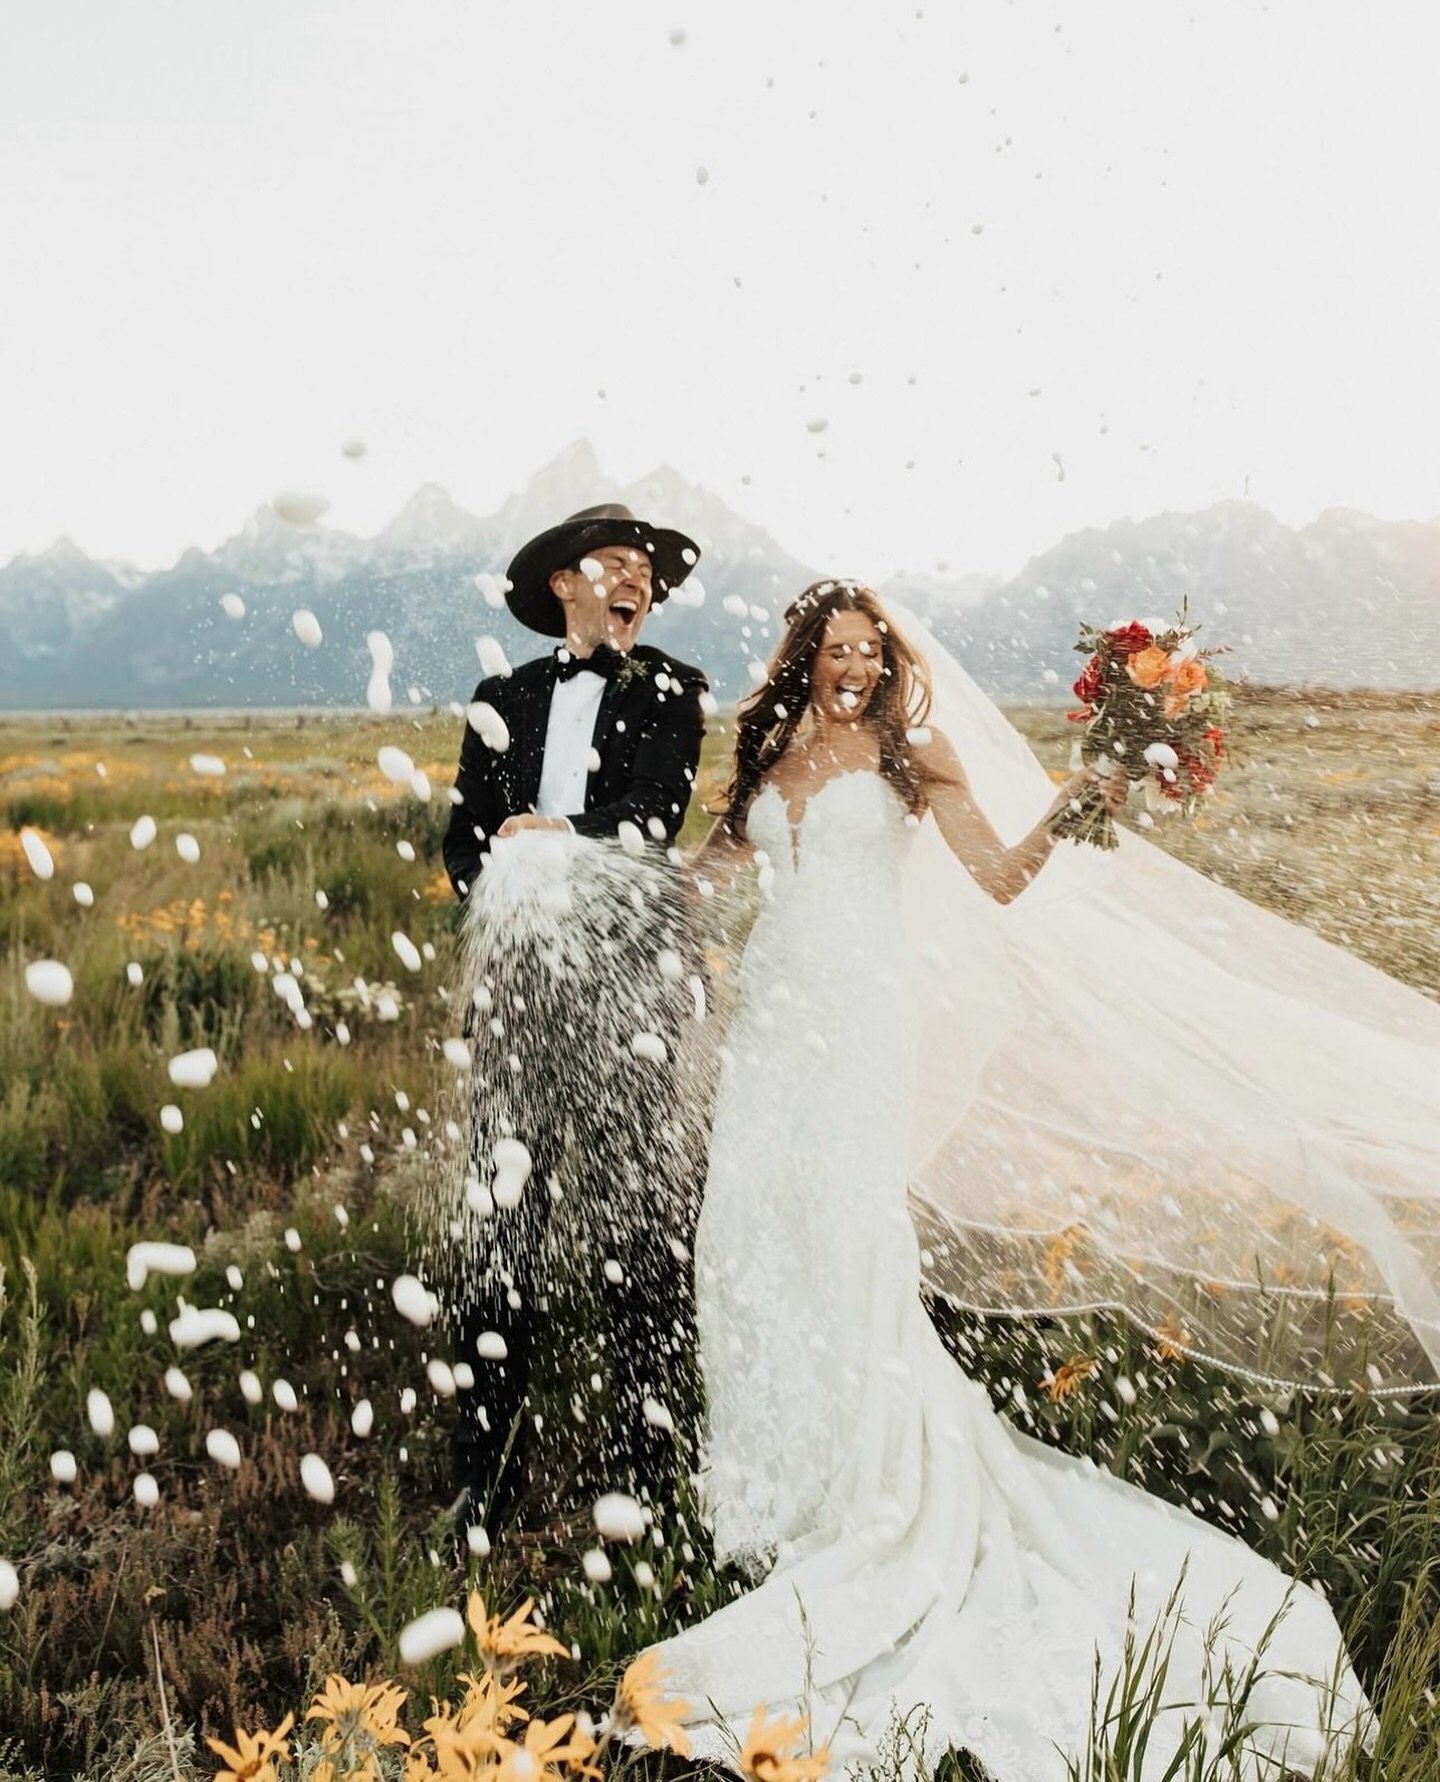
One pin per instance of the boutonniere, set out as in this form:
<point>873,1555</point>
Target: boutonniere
<point>628,670</point>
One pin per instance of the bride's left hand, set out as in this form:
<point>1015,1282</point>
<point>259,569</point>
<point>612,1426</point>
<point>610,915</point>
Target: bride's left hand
<point>1115,788</point>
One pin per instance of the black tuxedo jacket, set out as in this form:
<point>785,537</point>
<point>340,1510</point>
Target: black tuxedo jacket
<point>647,735</point>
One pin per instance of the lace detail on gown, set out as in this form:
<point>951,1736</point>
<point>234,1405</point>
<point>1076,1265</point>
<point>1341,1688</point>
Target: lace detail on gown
<point>921,1552</point>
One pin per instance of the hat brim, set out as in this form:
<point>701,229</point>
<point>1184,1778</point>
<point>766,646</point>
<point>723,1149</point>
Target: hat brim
<point>530,597</point>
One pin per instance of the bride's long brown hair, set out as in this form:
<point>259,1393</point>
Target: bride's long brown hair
<point>766,722</point>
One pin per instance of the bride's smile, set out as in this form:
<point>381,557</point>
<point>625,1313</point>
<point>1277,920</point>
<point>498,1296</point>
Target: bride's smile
<point>847,668</point>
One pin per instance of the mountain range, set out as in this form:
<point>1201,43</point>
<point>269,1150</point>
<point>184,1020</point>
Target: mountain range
<point>1348,600</point>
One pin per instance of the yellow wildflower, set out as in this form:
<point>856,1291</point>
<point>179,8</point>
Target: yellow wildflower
<point>505,1644</point>
<point>548,1744</point>
<point>772,1751</point>
<point>490,1699</point>
<point>640,1706</point>
<point>252,1757</point>
<point>360,1715</point>
<point>1067,1378</point>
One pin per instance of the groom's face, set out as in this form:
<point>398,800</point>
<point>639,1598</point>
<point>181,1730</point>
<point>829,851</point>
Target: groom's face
<point>605,597</point>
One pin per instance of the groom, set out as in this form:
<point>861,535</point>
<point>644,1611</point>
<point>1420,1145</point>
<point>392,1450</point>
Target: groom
<point>604,738</point>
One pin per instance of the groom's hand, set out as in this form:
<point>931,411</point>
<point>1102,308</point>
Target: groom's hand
<point>528,820</point>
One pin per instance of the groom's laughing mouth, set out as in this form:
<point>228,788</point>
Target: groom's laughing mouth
<point>625,615</point>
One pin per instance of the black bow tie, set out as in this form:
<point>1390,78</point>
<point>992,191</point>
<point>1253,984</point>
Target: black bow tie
<point>602,661</point>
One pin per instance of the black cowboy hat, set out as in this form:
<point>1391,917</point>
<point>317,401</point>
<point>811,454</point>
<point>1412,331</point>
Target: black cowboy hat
<point>529,596</point>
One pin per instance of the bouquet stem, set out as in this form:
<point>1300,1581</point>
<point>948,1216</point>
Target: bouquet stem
<point>1086,819</point>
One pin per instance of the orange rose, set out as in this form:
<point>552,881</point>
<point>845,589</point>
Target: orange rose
<point>1147,668</point>
<point>1187,677</point>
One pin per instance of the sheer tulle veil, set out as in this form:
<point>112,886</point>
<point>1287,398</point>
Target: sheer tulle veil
<point>1139,1091</point>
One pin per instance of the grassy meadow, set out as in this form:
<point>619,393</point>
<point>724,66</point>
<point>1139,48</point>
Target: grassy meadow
<point>138,1628</point>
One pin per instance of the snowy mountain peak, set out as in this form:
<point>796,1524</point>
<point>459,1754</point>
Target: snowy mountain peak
<point>572,479</point>
<point>433,524</point>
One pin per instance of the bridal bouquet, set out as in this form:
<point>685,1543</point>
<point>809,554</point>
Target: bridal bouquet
<point>1154,709</point>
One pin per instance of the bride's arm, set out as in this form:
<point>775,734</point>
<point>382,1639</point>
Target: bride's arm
<point>1001,872</point>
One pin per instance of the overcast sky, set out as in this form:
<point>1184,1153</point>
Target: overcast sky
<point>1168,246</point>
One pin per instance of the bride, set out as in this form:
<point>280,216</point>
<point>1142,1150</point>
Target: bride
<point>916,1550</point>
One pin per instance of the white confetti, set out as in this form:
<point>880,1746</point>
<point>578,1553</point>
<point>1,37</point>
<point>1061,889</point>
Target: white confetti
<point>307,628</point>
<point>300,507</point>
<point>315,1476</point>
<point>362,1418</point>
<point>631,837</point>
<point>199,1324</point>
<point>428,1635</point>
<point>737,607</point>
<point>284,1395</point>
<point>250,1388</point>
<point>178,1386</point>
<point>382,659</point>
<point>193,1070</point>
<point>292,1240</point>
<point>9,1585</point>
<point>100,1413</point>
<point>596,1566</point>
<point>456,1053</point>
<point>670,965</point>
<point>408,952</point>
<point>232,606</point>
<point>618,1517</point>
<point>493,660</point>
<point>493,588</point>
<point>143,1260</point>
<point>222,1448</point>
<point>477,1540</point>
<point>440,1376</point>
<point>349,1577</point>
<point>149,1323</point>
<point>209,767</point>
<point>135,974</point>
<point>171,1119</point>
<point>651,1046</point>
<point>49,982</point>
<point>691,591</point>
<point>490,1346</point>
<point>147,1491</point>
<point>62,1467</point>
<point>42,862</point>
<point>412,1301</point>
<point>187,848</point>
<point>83,894</point>
<point>143,832</point>
<point>395,764</point>
<point>406,851</point>
<point>143,1441</point>
<point>322,900</point>
<point>488,725</point>
<point>512,1171</point>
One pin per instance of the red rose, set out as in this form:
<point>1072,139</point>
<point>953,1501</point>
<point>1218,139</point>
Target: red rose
<point>1083,716</point>
<point>1215,736</point>
<point>1092,681</point>
<point>1129,640</point>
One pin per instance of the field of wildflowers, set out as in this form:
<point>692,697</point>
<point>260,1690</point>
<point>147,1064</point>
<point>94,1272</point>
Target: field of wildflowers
<point>181,1579</point>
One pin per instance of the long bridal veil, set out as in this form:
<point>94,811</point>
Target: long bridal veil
<point>1139,1091</point>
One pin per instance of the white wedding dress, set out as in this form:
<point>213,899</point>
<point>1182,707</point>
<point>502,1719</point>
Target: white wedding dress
<point>925,1553</point>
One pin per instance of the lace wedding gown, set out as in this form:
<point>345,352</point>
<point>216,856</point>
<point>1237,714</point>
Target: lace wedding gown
<point>925,1553</point>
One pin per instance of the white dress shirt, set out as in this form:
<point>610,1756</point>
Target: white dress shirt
<point>569,737</point>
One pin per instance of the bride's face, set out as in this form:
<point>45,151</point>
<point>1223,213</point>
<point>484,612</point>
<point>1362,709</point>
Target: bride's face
<point>847,667</point>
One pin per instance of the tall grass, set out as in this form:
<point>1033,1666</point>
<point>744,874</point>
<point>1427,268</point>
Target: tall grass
<point>246,1588</point>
